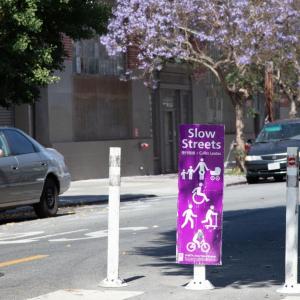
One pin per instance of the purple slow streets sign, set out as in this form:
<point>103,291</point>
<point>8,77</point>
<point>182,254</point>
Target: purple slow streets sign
<point>200,199</point>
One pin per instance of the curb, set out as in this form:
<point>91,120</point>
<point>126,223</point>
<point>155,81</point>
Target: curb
<point>236,183</point>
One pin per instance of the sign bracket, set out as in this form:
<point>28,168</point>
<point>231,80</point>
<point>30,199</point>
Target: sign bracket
<point>199,282</point>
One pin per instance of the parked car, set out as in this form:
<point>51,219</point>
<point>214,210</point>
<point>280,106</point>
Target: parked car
<point>267,154</point>
<point>30,174</point>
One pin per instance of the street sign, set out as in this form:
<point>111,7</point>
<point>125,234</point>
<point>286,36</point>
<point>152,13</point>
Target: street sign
<point>200,198</point>
<point>291,161</point>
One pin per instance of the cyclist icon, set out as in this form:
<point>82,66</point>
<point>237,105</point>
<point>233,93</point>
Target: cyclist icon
<point>198,242</point>
<point>198,196</point>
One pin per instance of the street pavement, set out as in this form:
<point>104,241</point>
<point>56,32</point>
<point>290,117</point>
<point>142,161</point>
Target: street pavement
<point>65,257</point>
<point>135,187</point>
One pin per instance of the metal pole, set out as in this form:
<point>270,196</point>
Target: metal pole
<point>199,281</point>
<point>112,279</point>
<point>291,285</point>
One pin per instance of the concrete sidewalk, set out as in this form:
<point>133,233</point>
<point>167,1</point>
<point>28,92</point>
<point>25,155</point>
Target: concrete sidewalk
<point>95,191</point>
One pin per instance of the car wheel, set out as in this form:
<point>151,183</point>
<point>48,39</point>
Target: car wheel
<point>48,205</point>
<point>251,180</point>
<point>279,178</point>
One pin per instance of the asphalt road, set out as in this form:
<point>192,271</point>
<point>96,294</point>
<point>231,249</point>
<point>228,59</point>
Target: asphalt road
<point>69,251</point>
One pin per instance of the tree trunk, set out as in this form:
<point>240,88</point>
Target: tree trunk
<point>240,140</point>
<point>269,91</point>
<point>238,104</point>
<point>293,108</point>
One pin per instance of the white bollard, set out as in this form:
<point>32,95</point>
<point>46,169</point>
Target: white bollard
<point>199,282</point>
<point>113,279</point>
<point>291,285</point>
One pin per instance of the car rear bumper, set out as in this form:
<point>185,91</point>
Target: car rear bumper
<point>65,182</point>
<point>260,169</point>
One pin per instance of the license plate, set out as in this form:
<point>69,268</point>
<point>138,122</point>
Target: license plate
<point>273,166</point>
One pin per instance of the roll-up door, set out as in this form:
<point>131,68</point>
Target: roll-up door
<point>7,117</point>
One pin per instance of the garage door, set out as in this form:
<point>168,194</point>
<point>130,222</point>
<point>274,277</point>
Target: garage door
<point>7,117</point>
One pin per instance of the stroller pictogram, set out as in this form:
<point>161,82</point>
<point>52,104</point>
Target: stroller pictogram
<point>215,174</point>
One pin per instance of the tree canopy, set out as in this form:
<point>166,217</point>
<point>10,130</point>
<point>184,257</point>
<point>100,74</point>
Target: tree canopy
<point>229,37</point>
<point>31,44</point>
<point>234,39</point>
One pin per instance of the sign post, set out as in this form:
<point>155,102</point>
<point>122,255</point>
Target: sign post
<point>200,199</point>
<point>291,285</point>
<point>112,279</point>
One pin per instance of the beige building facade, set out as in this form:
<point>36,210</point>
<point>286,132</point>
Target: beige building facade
<point>90,110</point>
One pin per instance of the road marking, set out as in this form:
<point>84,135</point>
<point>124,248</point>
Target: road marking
<point>31,237</point>
<point>89,295</point>
<point>134,228</point>
<point>14,236</point>
<point>21,260</point>
<point>18,237</point>
<point>58,234</point>
<point>88,236</point>
<point>96,234</point>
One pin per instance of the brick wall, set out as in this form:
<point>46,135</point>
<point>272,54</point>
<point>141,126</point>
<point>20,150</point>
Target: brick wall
<point>132,61</point>
<point>68,44</point>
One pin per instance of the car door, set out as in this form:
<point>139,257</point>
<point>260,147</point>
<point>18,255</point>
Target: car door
<point>8,174</point>
<point>32,170</point>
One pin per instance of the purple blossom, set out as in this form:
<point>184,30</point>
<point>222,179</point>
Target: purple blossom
<point>245,31</point>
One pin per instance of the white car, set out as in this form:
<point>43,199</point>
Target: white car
<point>30,174</point>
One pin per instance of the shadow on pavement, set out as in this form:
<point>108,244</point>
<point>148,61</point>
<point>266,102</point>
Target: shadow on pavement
<point>98,199</point>
<point>26,213</point>
<point>23,214</point>
<point>127,280</point>
<point>253,250</point>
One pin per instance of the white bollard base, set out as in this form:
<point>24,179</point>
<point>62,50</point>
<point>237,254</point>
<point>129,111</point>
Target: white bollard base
<point>112,283</point>
<point>199,285</point>
<point>289,288</point>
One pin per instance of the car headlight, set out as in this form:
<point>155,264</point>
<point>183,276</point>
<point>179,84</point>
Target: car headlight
<point>253,157</point>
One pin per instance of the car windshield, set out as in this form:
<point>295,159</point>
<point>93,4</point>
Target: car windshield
<point>278,132</point>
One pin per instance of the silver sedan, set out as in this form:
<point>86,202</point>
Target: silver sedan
<point>30,174</point>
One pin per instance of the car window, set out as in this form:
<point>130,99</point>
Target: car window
<point>277,132</point>
<point>18,143</point>
<point>3,145</point>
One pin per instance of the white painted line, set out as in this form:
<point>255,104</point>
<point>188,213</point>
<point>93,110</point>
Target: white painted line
<point>88,295</point>
<point>30,237</point>
<point>14,236</point>
<point>134,228</point>
<point>90,235</point>
<point>19,237</point>
<point>58,234</point>
<point>96,234</point>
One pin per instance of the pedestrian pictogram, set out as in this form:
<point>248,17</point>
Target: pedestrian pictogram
<point>189,215</point>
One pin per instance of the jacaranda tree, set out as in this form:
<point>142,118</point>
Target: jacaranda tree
<point>232,38</point>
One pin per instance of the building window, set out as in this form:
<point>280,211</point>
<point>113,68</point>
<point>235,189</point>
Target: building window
<point>90,57</point>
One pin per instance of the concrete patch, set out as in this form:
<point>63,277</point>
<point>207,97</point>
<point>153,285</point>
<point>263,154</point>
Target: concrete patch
<point>88,295</point>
